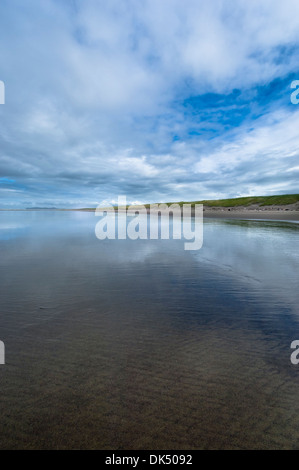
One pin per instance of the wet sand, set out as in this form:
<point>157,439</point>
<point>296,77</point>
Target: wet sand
<point>278,213</point>
<point>139,344</point>
<point>252,214</point>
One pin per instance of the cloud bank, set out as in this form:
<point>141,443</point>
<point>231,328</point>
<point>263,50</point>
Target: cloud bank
<point>158,101</point>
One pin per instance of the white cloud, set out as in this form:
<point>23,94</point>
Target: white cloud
<point>86,81</point>
<point>133,165</point>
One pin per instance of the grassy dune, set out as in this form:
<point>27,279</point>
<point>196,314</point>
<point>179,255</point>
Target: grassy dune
<point>284,199</point>
<point>279,200</point>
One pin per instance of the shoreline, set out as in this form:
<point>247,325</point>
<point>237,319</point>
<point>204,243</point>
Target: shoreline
<point>285,215</point>
<point>281,214</point>
<point>251,214</point>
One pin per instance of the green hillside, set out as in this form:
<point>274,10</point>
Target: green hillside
<point>278,200</point>
<point>284,199</point>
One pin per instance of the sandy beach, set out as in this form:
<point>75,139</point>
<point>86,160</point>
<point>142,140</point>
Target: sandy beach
<point>140,344</point>
<point>285,213</point>
<point>253,214</point>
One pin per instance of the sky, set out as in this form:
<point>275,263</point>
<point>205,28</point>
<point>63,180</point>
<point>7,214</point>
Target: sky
<point>155,100</point>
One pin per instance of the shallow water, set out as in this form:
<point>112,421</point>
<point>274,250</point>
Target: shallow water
<point>122,344</point>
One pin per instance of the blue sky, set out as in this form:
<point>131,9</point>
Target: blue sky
<point>156,100</point>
